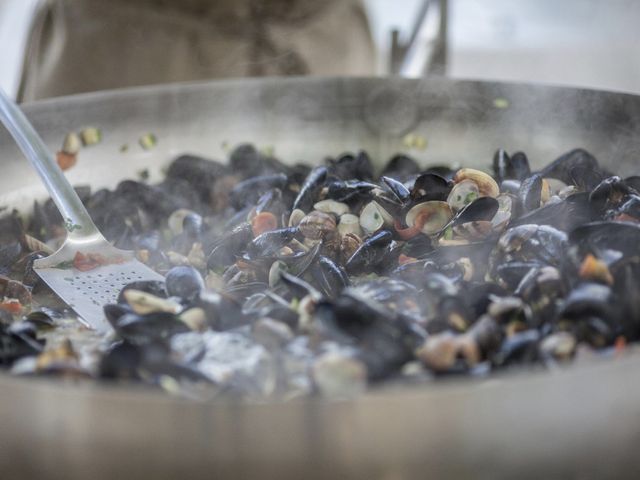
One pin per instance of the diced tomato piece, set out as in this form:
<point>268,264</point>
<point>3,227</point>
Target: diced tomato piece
<point>66,160</point>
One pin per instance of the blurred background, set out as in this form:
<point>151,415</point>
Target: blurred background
<point>58,47</point>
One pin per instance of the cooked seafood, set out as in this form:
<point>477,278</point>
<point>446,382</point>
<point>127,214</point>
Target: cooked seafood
<point>288,280</point>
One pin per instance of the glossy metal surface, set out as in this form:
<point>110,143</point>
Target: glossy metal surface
<point>578,423</point>
<point>77,289</point>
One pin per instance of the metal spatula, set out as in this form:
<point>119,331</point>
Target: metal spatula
<point>85,291</point>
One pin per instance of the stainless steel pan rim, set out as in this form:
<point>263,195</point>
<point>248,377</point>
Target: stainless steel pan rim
<point>580,422</point>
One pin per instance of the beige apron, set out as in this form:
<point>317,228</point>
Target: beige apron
<point>86,45</point>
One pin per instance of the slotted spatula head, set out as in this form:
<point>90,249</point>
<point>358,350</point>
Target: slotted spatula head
<point>87,291</point>
<point>85,285</point>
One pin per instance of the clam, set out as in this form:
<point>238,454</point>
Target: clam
<point>349,223</point>
<point>348,245</point>
<point>373,217</point>
<point>429,217</point>
<point>316,225</point>
<point>485,182</point>
<point>274,272</point>
<point>296,217</point>
<point>463,194</point>
<point>331,206</point>
<point>503,215</point>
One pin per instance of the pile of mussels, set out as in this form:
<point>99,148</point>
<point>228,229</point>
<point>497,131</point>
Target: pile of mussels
<point>287,280</point>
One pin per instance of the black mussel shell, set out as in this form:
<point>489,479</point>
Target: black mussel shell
<point>350,190</point>
<point>596,237</point>
<point>521,348</point>
<point>247,192</point>
<point>577,167</point>
<point>149,328</point>
<point>508,168</point>
<point>329,277</point>
<point>401,167</point>
<point>199,172</point>
<point>370,253</point>
<point>184,282</point>
<point>529,193</point>
<point>430,186</point>
<point>224,250</point>
<point>563,215</point>
<point>399,191</point>
<point>481,209</point>
<point>349,166</point>
<point>269,243</point>
<point>310,189</point>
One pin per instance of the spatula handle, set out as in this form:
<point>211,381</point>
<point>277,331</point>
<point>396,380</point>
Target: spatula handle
<point>77,219</point>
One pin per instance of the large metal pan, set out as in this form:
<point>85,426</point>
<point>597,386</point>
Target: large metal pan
<point>580,423</point>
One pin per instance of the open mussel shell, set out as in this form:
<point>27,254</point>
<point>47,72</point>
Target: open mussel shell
<point>430,186</point>
<point>483,208</point>
<point>475,230</point>
<point>370,253</point>
<point>474,221</point>
<point>431,217</point>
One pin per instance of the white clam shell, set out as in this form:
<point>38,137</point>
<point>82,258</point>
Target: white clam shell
<point>462,194</point>
<point>274,272</point>
<point>485,182</point>
<point>349,223</point>
<point>331,206</point>
<point>296,216</point>
<point>373,217</point>
<point>503,215</point>
<point>438,215</point>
